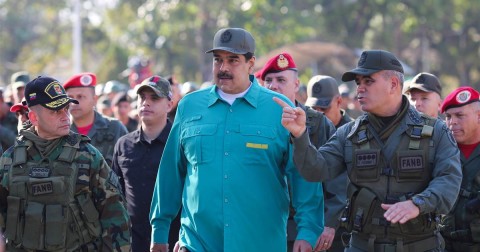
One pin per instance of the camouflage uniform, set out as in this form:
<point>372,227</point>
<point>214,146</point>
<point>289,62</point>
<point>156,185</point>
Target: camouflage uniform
<point>77,209</point>
<point>104,134</point>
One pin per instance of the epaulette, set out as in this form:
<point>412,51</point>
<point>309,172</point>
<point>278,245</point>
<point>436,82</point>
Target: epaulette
<point>360,121</point>
<point>72,139</point>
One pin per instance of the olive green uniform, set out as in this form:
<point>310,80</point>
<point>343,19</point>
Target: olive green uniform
<point>67,200</point>
<point>104,134</point>
<point>419,158</point>
<point>461,227</point>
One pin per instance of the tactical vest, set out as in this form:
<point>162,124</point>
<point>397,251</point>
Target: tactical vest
<point>49,207</point>
<point>377,179</point>
<point>463,223</point>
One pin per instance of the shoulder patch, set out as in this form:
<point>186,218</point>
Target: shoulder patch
<point>356,124</point>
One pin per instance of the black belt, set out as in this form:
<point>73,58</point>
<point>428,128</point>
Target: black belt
<point>421,245</point>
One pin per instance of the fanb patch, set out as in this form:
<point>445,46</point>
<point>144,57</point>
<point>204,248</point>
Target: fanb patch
<point>366,159</point>
<point>411,163</point>
<point>39,172</point>
<point>42,188</point>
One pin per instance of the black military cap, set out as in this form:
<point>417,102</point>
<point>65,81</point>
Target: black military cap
<point>373,61</point>
<point>47,92</point>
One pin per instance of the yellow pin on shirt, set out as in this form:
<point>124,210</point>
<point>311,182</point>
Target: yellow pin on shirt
<point>257,146</point>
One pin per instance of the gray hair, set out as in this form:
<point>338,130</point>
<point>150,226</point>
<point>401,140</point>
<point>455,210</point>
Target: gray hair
<point>389,73</point>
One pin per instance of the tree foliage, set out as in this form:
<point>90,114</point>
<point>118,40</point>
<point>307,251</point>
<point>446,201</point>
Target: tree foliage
<point>439,36</point>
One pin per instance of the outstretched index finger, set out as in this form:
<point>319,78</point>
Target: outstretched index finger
<point>281,103</point>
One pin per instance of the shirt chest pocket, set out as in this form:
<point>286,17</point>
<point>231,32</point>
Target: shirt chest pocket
<point>257,141</point>
<point>199,143</point>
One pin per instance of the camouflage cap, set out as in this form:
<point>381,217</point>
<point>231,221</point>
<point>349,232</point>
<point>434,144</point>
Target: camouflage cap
<point>373,61</point>
<point>426,82</point>
<point>158,85</point>
<point>234,40</point>
<point>47,92</point>
<point>321,89</point>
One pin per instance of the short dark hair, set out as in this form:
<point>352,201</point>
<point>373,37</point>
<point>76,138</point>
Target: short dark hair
<point>248,56</point>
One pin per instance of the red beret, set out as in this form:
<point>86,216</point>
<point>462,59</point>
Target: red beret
<point>279,63</point>
<point>460,97</point>
<point>19,106</point>
<point>81,80</point>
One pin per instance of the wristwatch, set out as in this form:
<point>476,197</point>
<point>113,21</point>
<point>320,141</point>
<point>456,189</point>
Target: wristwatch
<point>419,202</point>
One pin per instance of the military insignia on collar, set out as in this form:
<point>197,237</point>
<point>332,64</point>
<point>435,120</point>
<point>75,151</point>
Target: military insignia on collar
<point>86,80</point>
<point>463,96</point>
<point>226,37</point>
<point>362,59</point>
<point>282,62</point>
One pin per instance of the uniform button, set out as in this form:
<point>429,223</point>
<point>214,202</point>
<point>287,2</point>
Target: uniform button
<point>258,132</point>
<point>228,132</point>
<point>231,110</point>
<point>226,176</point>
<point>226,153</point>
<point>226,224</point>
<point>226,200</point>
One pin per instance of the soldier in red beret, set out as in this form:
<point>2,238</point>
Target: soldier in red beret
<point>21,111</point>
<point>462,224</point>
<point>103,131</point>
<point>280,74</point>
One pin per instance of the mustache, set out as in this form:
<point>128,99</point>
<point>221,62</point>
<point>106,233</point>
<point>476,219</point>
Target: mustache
<point>224,75</point>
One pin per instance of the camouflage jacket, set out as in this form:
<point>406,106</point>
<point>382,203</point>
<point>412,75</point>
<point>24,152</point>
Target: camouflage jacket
<point>93,178</point>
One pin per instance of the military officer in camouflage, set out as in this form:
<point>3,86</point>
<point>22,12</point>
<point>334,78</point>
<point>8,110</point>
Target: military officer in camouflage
<point>57,192</point>
<point>280,74</point>
<point>461,227</point>
<point>404,167</point>
<point>102,130</point>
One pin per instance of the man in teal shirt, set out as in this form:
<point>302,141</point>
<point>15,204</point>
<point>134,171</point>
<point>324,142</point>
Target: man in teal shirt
<point>228,160</point>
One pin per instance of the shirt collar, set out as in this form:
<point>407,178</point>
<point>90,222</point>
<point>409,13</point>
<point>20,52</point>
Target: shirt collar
<point>251,96</point>
<point>138,134</point>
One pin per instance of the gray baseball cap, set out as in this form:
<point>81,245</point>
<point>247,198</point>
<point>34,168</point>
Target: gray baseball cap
<point>321,89</point>
<point>426,82</point>
<point>234,40</point>
<point>373,61</point>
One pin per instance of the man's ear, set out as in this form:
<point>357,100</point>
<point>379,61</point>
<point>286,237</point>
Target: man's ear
<point>395,84</point>
<point>32,116</point>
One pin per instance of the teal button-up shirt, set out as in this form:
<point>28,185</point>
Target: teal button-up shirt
<point>228,165</point>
